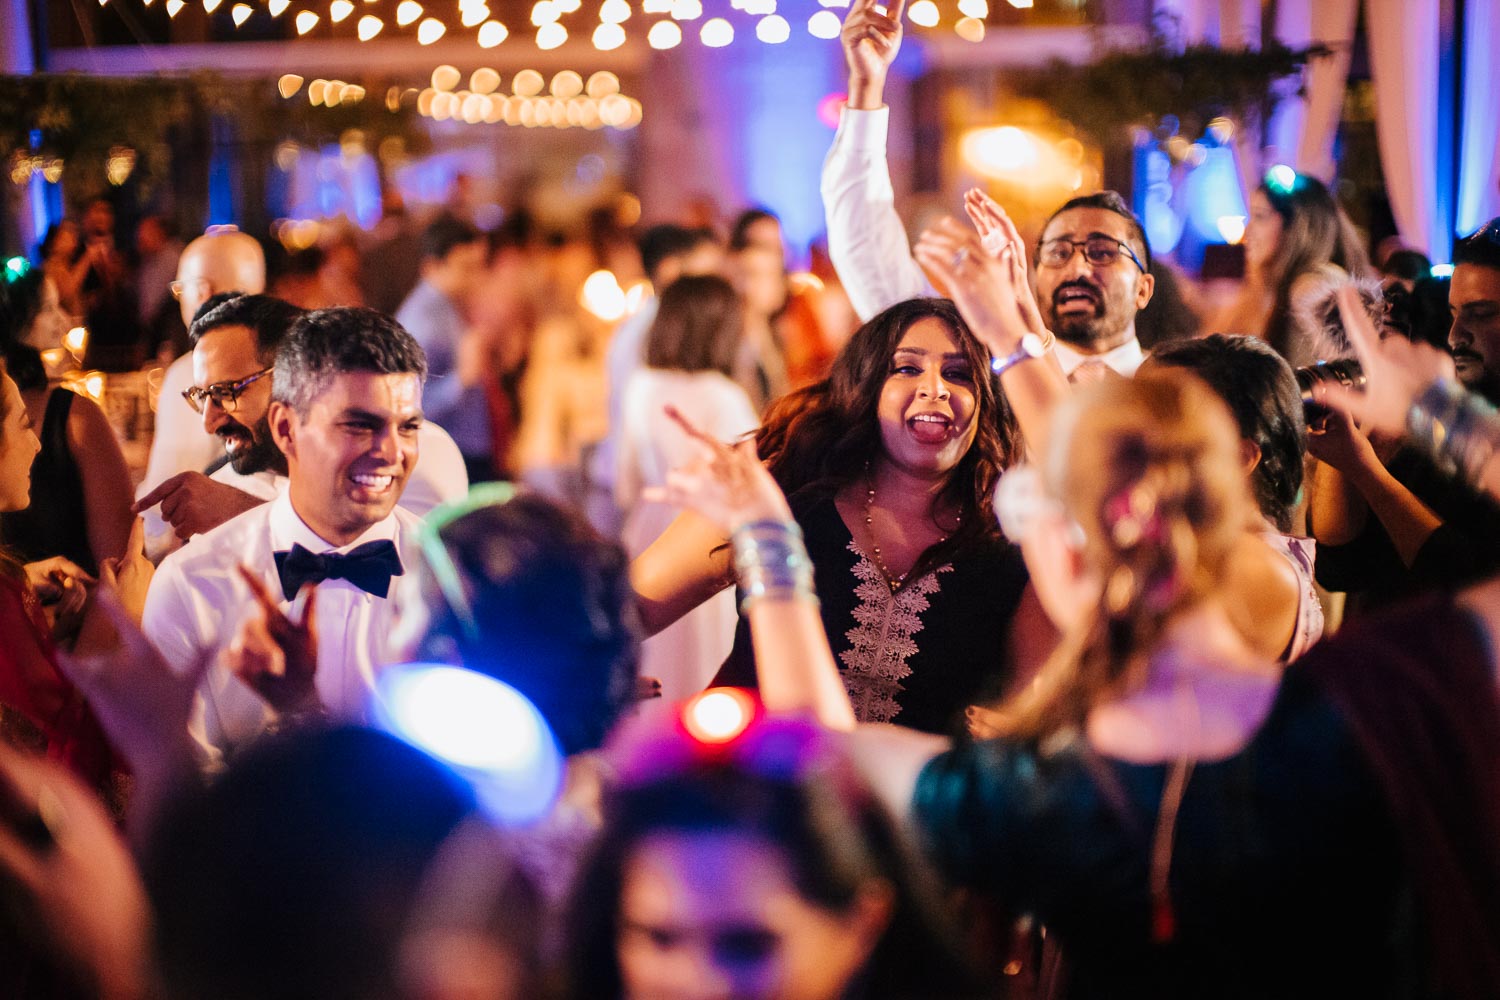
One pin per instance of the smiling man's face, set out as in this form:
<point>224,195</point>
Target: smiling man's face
<point>1091,307</point>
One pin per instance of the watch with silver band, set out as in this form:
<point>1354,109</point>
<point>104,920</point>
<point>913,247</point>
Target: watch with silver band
<point>1031,346</point>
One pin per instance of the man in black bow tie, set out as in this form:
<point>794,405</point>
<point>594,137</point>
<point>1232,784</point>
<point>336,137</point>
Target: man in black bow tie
<point>346,406</point>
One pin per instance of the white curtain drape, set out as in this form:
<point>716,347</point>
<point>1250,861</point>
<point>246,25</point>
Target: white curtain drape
<point>1479,156</point>
<point>1303,129</point>
<point>1405,46</point>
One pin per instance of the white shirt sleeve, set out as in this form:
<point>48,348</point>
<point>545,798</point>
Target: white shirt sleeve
<point>171,622</point>
<point>866,239</point>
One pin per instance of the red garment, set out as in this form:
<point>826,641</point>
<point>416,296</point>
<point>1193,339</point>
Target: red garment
<point>1418,690</point>
<point>32,685</point>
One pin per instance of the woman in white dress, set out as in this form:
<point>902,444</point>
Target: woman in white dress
<point>690,353</point>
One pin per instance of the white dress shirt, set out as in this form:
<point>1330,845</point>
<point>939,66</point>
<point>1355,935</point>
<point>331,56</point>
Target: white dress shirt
<point>867,241</point>
<point>197,601</point>
<point>177,445</point>
<point>439,476</point>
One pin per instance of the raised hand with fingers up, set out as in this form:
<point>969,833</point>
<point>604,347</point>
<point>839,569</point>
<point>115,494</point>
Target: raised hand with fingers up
<point>1396,370</point>
<point>275,653</point>
<point>871,38</point>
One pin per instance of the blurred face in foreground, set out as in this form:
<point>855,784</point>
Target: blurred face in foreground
<point>714,915</point>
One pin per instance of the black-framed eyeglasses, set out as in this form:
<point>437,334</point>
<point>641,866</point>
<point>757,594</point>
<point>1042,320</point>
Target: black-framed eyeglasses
<point>1100,251</point>
<point>226,394</point>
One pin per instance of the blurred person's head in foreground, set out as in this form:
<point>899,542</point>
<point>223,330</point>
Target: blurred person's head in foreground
<point>750,865</point>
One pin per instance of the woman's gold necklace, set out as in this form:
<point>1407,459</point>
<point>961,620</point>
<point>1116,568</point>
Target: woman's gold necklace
<point>894,582</point>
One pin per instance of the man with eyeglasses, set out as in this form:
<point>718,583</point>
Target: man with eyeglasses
<point>1091,272</point>
<point>221,260</point>
<point>235,339</point>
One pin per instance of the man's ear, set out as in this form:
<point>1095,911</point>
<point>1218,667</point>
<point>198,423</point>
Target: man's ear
<point>283,423</point>
<point>1144,287</point>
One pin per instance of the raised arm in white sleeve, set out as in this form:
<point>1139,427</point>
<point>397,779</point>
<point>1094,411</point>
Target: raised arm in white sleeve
<point>866,239</point>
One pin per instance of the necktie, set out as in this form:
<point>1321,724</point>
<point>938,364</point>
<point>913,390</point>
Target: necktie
<point>369,567</point>
<point>1091,372</point>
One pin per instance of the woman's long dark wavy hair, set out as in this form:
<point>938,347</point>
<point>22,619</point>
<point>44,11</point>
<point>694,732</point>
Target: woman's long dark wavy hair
<point>1314,232</point>
<point>823,437</point>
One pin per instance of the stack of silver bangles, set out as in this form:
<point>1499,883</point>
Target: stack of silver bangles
<point>1461,430</point>
<point>771,562</point>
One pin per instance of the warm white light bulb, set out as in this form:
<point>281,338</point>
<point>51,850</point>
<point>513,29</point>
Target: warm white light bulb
<point>608,37</point>
<point>544,12</point>
<point>664,35</point>
<point>687,10</point>
<point>278,7</point>
<point>408,12</point>
<point>339,9</point>
<point>209,6</point>
<point>471,16</point>
<point>970,29</point>
<point>430,31</point>
<point>492,33</point>
<point>306,21</point>
<point>824,24</point>
<point>241,13</point>
<point>614,11</point>
<point>174,6</point>
<point>716,33</point>
<point>550,36</point>
<point>369,27</point>
<point>923,13</point>
<point>445,78</point>
<point>773,29</point>
<point>974,8</point>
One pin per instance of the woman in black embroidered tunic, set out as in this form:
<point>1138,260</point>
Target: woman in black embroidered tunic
<point>891,464</point>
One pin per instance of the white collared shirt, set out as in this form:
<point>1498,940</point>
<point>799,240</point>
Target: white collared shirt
<point>867,241</point>
<point>197,601</point>
<point>439,475</point>
<point>1124,359</point>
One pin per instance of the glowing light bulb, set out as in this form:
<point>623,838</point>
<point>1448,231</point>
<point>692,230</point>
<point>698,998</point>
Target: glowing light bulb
<point>430,31</point>
<point>550,36</point>
<point>209,6</point>
<point>339,10</point>
<point>970,29</point>
<point>76,340</point>
<point>1021,4</point>
<point>608,37</point>
<point>369,27</point>
<point>687,10</point>
<point>445,78</point>
<point>602,296</point>
<point>174,7</point>
<point>483,728</point>
<point>824,24</point>
<point>408,12</point>
<point>602,84</point>
<point>241,13</point>
<point>656,7</point>
<point>471,16</point>
<point>773,29</point>
<point>974,8</point>
<point>923,13</point>
<point>492,33</point>
<point>566,85</point>
<point>718,715</point>
<point>833,3</point>
<point>306,21</point>
<point>1281,178</point>
<point>484,80</point>
<point>664,35</point>
<point>278,7</point>
<point>567,6</point>
<point>614,12</point>
<point>1232,228</point>
<point>1000,152</point>
<point>289,84</point>
<point>716,33</point>
<point>544,12</point>
<point>527,83</point>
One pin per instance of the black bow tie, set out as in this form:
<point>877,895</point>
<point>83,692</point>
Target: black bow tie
<point>369,567</point>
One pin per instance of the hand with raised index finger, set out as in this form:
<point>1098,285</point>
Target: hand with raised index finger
<point>728,484</point>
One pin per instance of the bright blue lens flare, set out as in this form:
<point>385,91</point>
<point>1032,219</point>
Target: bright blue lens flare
<point>481,727</point>
<point>1282,179</point>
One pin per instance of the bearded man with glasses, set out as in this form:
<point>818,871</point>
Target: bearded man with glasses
<point>1089,299</point>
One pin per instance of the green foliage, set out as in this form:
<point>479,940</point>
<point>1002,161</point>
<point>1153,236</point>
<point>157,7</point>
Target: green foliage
<point>1124,90</point>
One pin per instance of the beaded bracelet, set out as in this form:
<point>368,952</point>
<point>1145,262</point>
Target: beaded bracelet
<point>771,562</point>
<point>1461,430</point>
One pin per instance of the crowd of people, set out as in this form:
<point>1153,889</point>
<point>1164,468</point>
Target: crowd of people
<point>459,640</point>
